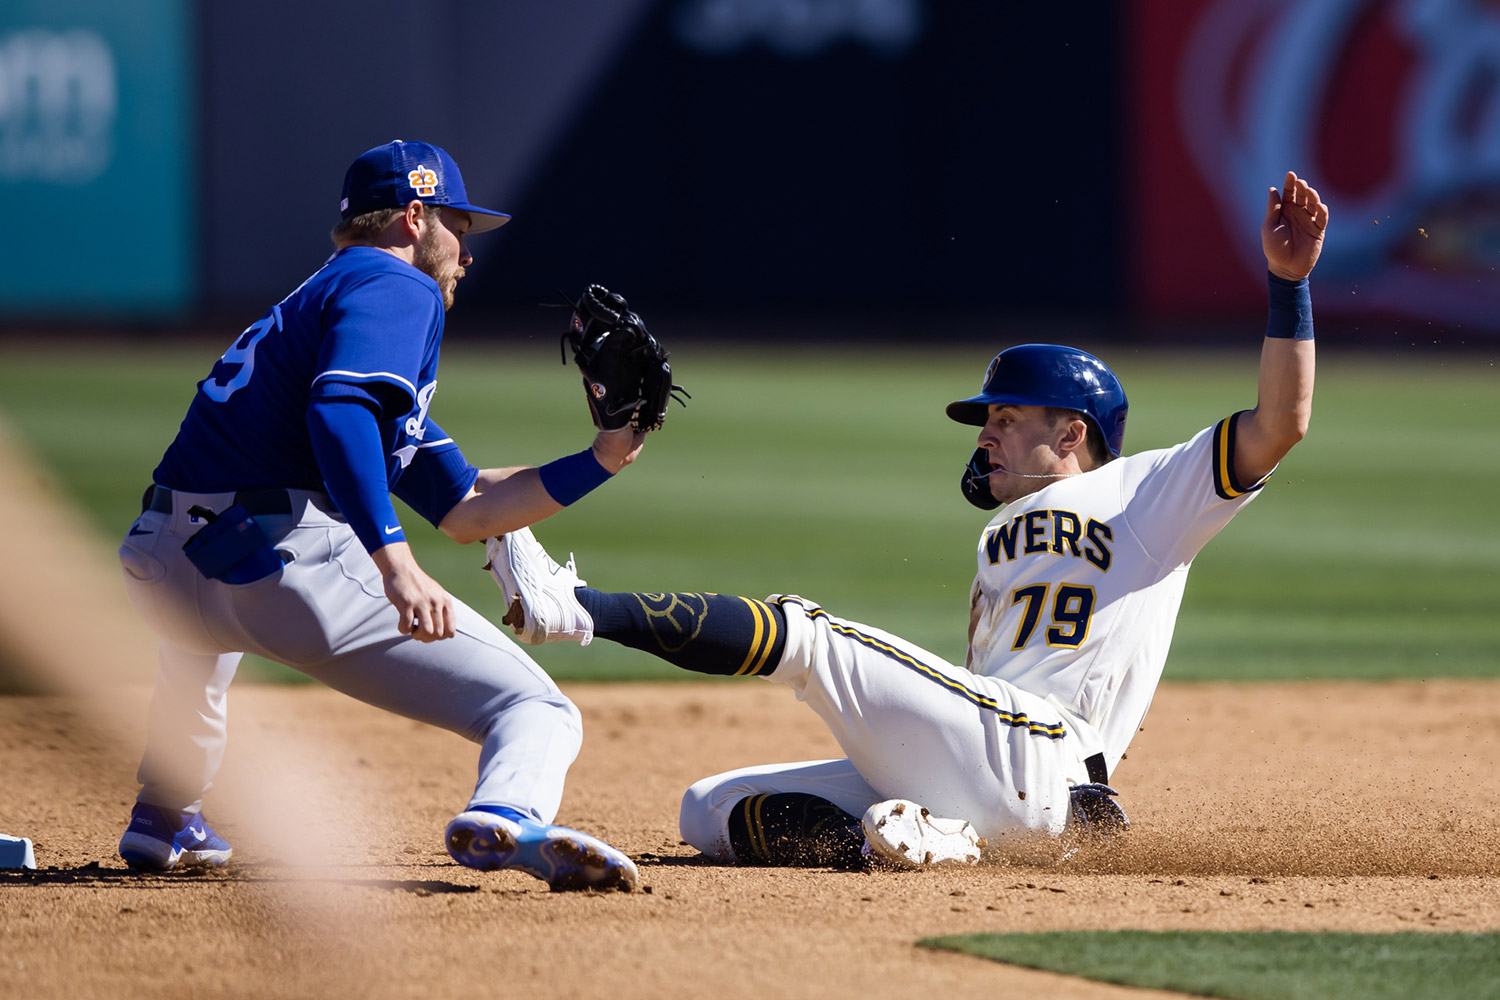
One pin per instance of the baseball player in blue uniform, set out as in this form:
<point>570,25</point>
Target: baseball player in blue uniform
<point>1079,580</point>
<point>269,527</point>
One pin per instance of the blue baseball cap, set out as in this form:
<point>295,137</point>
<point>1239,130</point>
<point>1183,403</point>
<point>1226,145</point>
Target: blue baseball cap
<point>400,172</point>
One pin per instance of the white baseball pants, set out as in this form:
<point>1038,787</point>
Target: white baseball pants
<point>911,726</point>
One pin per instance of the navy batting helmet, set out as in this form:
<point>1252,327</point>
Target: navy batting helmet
<point>1051,375</point>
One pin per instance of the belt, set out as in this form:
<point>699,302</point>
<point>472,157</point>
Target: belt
<point>255,502</point>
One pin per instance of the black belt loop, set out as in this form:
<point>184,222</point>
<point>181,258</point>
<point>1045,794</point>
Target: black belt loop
<point>157,499</point>
<point>1098,772</point>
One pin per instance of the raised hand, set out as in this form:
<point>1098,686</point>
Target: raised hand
<point>1292,233</point>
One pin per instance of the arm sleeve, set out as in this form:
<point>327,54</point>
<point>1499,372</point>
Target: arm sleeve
<point>438,478</point>
<point>346,441</point>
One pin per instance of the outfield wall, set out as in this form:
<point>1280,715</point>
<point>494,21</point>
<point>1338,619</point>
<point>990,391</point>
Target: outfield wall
<point>1104,160</point>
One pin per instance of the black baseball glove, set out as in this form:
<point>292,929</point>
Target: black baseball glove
<point>626,378</point>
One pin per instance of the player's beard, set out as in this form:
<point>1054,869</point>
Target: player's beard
<point>430,260</point>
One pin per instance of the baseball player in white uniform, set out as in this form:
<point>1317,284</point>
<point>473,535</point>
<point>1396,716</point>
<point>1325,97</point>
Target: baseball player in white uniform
<point>1079,580</point>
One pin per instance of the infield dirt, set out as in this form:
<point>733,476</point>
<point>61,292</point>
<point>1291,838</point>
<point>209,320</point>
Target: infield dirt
<point>1366,807</point>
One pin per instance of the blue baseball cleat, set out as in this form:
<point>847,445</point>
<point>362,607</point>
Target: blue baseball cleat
<point>563,858</point>
<point>159,840</point>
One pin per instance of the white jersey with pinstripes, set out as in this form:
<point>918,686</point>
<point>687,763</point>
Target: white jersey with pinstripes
<point>1079,584</point>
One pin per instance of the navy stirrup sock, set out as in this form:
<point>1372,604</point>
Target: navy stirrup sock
<point>795,830</point>
<point>706,633</point>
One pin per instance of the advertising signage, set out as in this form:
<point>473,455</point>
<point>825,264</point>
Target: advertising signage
<point>96,157</point>
<point>1391,108</point>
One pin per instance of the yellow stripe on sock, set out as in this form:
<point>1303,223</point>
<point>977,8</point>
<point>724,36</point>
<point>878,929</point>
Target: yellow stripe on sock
<point>765,650</point>
<point>755,825</point>
<point>760,629</point>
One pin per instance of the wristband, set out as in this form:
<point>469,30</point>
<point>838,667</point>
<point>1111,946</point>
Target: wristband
<point>1290,316</point>
<point>569,478</point>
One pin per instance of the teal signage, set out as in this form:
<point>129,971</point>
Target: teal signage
<point>97,140</point>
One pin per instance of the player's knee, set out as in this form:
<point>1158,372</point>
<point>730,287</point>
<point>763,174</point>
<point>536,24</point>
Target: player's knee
<point>569,712</point>
<point>502,718</point>
<point>565,718</point>
<point>704,819</point>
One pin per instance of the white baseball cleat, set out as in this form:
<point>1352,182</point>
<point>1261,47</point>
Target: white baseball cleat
<point>541,606</point>
<point>902,833</point>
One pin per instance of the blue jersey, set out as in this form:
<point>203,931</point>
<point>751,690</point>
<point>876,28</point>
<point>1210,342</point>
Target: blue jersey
<point>368,325</point>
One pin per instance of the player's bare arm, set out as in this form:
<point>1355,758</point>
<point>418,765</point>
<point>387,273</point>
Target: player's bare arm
<point>503,500</point>
<point>1292,238</point>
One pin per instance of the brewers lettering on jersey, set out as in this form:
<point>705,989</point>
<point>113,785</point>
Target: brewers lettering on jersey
<point>269,527</point>
<point>1077,587</point>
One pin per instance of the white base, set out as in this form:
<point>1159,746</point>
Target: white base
<point>16,852</point>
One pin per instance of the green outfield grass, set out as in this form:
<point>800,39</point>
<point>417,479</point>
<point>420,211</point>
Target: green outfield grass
<point>832,472</point>
<point>1256,966</point>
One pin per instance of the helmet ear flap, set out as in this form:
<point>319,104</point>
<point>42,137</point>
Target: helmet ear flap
<point>975,481</point>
